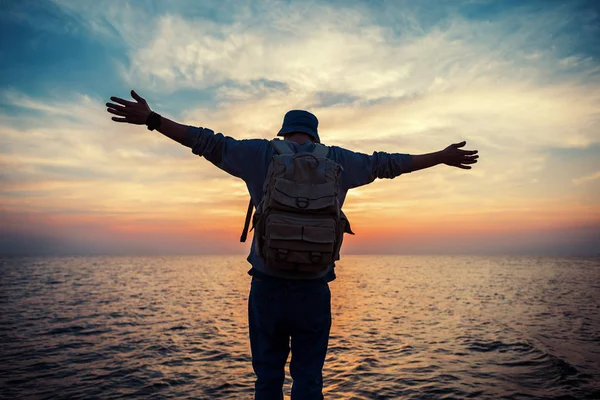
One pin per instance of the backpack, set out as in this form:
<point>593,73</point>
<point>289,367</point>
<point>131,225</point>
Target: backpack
<point>299,224</point>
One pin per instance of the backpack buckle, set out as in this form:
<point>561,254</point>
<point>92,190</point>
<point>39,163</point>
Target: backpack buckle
<point>281,254</point>
<point>315,257</point>
<point>302,202</point>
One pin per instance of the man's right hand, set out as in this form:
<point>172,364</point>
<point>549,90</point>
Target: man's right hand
<point>456,157</point>
<point>128,111</point>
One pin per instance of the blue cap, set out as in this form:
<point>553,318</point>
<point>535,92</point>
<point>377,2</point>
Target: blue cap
<point>300,121</point>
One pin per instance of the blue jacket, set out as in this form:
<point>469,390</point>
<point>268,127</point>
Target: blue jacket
<point>249,160</point>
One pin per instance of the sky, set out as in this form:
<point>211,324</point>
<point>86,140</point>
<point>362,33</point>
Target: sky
<point>519,81</point>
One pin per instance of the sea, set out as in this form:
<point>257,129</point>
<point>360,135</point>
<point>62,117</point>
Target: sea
<point>404,327</point>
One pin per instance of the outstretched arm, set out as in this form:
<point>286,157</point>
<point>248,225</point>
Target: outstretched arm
<point>361,169</point>
<point>137,112</point>
<point>451,155</point>
<point>236,157</point>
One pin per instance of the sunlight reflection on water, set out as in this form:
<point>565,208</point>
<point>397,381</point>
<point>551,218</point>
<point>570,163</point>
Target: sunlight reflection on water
<point>403,327</point>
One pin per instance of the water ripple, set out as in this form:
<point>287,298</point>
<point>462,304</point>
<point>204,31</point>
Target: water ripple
<point>406,327</point>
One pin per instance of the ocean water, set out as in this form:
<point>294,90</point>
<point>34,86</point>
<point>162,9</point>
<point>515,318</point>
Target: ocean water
<point>404,327</point>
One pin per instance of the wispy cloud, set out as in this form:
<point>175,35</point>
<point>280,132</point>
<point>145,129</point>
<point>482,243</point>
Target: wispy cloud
<point>587,178</point>
<point>322,47</point>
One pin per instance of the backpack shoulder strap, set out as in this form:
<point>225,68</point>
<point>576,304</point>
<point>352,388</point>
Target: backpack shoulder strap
<point>320,150</point>
<point>281,147</point>
<point>247,222</point>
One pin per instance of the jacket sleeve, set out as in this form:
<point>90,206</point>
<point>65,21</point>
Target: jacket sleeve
<point>361,169</point>
<point>236,157</point>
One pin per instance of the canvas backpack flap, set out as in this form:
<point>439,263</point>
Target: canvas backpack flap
<point>318,198</point>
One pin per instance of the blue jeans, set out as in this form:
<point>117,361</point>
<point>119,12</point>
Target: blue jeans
<point>277,311</point>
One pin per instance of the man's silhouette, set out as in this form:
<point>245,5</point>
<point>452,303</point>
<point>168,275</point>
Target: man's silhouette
<point>284,307</point>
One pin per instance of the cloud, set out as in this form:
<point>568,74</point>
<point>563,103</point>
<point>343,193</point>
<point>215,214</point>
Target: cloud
<point>392,79</point>
<point>587,178</point>
<point>70,157</point>
<point>82,161</point>
<point>332,48</point>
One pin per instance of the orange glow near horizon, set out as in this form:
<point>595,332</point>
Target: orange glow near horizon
<point>397,232</point>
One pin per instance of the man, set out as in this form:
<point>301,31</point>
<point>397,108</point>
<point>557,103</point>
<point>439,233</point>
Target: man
<point>281,307</point>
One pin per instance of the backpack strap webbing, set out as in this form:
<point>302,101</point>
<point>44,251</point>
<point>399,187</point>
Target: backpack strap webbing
<point>320,150</point>
<point>247,222</point>
<point>282,147</point>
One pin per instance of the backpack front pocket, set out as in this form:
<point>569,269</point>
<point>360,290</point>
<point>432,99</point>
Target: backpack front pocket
<point>299,243</point>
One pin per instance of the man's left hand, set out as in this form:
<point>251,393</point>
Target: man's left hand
<point>128,111</point>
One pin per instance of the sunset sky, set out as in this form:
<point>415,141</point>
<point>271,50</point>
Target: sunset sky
<point>518,80</point>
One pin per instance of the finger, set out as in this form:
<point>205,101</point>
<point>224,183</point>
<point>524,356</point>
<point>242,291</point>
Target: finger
<point>463,166</point>
<point>116,119</point>
<point>115,106</point>
<point>117,112</point>
<point>137,97</point>
<point>461,144</point>
<point>470,157</point>
<point>468,152</point>
<point>471,161</point>
<point>121,101</point>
